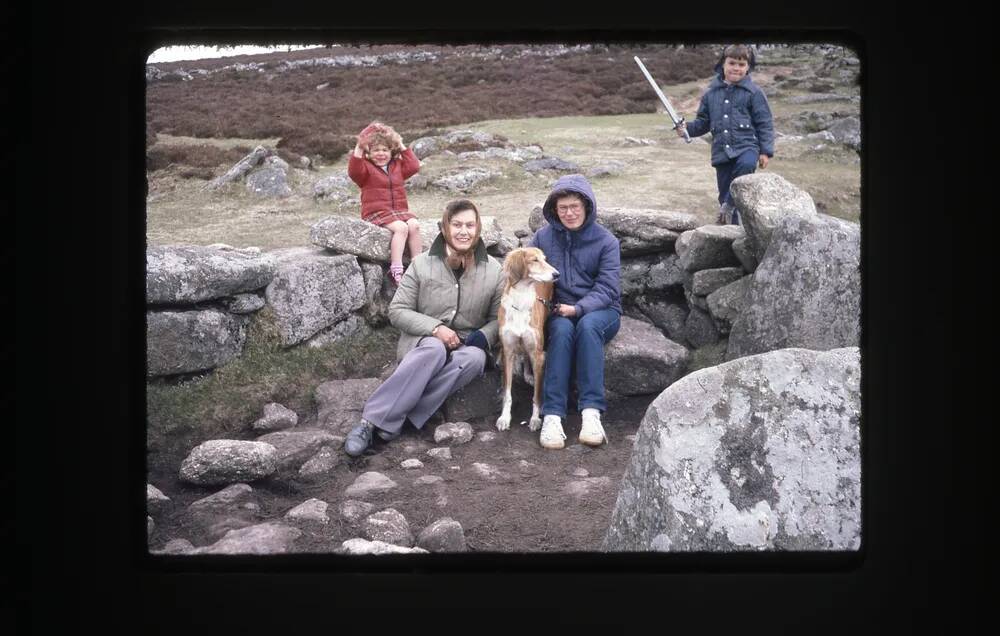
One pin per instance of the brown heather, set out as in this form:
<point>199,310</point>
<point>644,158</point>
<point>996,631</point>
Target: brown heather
<point>415,98</point>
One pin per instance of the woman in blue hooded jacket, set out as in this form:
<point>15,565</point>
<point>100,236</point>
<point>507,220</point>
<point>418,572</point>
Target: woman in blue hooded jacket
<point>587,310</point>
<point>736,112</point>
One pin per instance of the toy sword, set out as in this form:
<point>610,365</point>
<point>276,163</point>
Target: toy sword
<point>670,109</point>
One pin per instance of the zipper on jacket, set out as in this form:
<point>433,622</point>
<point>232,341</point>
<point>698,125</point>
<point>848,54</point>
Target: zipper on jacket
<point>458,299</point>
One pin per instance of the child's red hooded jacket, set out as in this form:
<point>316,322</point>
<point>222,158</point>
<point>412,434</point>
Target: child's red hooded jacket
<point>381,190</point>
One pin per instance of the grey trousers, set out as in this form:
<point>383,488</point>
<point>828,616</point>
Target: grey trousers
<point>421,383</point>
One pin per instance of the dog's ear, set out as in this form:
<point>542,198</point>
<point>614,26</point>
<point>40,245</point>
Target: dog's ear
<point>513,266</point>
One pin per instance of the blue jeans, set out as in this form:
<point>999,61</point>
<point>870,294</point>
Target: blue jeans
<point>746,163</point>
<point>579,343</point>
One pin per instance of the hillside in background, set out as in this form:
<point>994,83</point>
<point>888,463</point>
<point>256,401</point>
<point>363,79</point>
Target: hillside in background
<point>316,100</point>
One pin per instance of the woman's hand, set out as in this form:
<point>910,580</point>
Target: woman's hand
<point>447,336</point>
<point>567,311</point>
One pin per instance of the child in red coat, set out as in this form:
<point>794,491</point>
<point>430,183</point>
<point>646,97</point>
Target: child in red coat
<point>380,164</point>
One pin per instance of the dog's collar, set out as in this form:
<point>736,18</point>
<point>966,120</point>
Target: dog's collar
<point>547,303</point>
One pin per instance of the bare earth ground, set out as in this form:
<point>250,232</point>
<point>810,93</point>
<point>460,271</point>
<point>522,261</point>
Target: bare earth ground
<point>531,506</point>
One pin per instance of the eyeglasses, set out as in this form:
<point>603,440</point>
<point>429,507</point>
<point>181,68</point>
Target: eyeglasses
<point>574,207</point>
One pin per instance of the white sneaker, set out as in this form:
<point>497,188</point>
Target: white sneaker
<point>591,431</point>
<point>552,436</point>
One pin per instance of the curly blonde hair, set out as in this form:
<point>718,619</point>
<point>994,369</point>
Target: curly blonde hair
<point>377,133</point>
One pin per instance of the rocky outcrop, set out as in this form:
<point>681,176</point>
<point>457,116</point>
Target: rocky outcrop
<point>641,360</point>
<point>190,341</point>
<point>761,453</point>
<point>187,274</point>
<point>226,461</point>
<point>764,199</point>
<point>806,292</point>
<point>313,290</point>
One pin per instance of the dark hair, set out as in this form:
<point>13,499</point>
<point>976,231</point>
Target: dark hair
<point>738,52</point>
<point>559,194</point>
<point>456,206</point>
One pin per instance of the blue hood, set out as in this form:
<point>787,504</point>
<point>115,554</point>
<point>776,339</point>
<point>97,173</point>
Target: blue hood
<point>574,183</point>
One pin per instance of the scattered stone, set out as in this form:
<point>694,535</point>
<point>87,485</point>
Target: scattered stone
<point>410,464</point>
<point>311,511</point>
<point>369,483</point>
<point>176,546</point>
<point>581,472</point>
<point>583,487</point>
<point>276,417</point>
<point>353,511</point>
<point>323,462</point>
<point>270,179</point>
<point>265,538</point>
<point>464,180</point>
<point>297,447</point>
<point>444,535</point>
<point>440,454</point>
<point>156,501</point>
<point>224,461</point>
<point>550,163</point>
<point>241,168</point>
<point>428,480</point>
<point>363,546</point>
<point>487,472</point>
<point>453,433</point>
<point>389,526</point>
<point>485,436</point>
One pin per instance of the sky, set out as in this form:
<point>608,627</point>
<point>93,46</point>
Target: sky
<point>185,53</point>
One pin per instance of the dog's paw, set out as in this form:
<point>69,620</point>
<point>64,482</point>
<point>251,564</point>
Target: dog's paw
<point>503,422</point>
<point>535,424</point>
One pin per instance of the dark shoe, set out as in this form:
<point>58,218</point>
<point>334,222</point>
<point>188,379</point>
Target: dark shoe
<point>386,436</point>
<point>359,439</point>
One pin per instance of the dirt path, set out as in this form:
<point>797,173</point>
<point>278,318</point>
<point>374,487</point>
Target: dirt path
<point>540,500</point>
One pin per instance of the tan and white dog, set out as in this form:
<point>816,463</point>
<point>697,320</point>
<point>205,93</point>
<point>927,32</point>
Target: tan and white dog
<point>523,310</point>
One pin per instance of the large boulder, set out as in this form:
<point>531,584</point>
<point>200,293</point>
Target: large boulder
<point>806,292</point>
<point>313,290</point>
<point>351,235</point>
<point>710,247</point>
<point>667,314</point>
<point>650,274</point>
<point>761,453</point>
<point>227,461</point>
<point>764,199</point>
<point>641,231</point>
<point>726,303</point>
<point>340,402</point>
<point>270,179</point>
<point>640,360</point>
<point>337,188</point>
<point>462,180</point>
<point>188,274</point>
<point>847,131</point>
<point>190,341</point>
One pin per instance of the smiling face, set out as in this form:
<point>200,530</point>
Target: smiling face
<point>380,154</point>
<point>735,69</point>
<point>463,230</point>
<point>571,211</point>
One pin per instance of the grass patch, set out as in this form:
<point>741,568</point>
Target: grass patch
<point>224,403</point>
